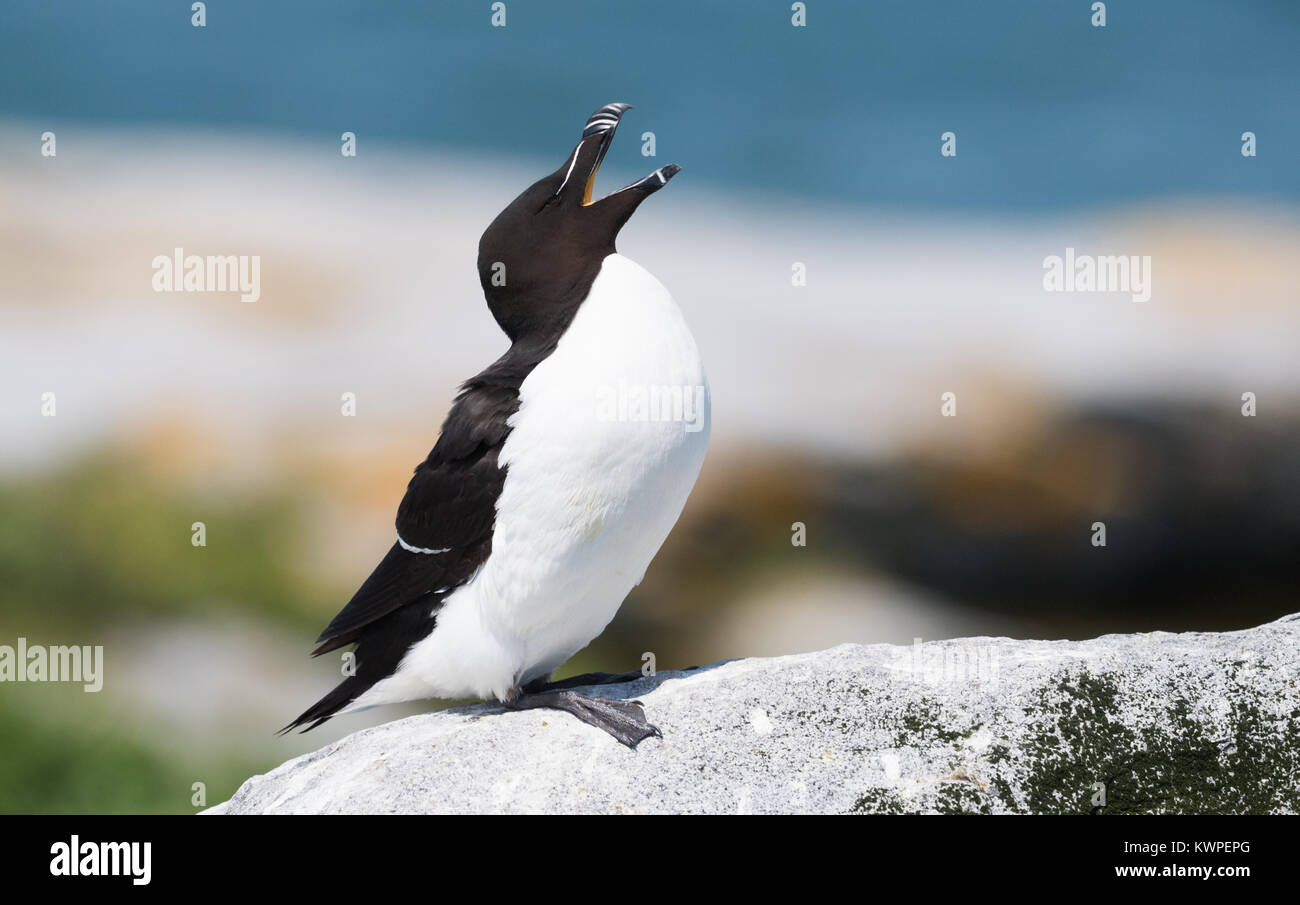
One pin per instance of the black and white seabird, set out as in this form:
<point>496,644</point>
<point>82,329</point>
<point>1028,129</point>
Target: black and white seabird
<point>537,511</point>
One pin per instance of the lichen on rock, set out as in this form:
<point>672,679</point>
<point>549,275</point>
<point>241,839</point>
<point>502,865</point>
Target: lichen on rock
<point>1147,723</point>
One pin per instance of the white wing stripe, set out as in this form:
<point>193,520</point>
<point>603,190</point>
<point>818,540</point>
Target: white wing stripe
<point>409,549</point>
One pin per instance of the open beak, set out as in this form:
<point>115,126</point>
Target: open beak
<point>599,134</point>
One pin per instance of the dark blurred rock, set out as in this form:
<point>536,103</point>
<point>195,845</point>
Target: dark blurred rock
<point>1198,509</point>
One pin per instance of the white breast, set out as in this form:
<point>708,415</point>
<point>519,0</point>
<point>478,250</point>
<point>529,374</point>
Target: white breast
<point>604,450</point>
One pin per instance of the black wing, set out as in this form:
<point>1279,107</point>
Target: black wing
<point>449,507</point>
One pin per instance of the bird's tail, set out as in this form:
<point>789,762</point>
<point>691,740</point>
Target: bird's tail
<point>339,697</point>
<point>380,647</point>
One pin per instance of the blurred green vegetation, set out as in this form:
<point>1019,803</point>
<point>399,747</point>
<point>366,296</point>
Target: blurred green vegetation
<point>89,546</point>
<point>65,760</point>
<point>101,539</point>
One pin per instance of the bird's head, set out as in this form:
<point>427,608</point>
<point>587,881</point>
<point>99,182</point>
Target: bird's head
<point>538,258</point>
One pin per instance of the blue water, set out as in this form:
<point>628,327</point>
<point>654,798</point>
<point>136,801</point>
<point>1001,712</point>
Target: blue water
<point>1049,112</point>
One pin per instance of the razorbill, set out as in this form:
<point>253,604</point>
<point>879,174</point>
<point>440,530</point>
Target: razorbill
<point>547,493</point>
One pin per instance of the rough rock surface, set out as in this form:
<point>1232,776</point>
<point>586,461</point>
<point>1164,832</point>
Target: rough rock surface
<point>1155,722</point>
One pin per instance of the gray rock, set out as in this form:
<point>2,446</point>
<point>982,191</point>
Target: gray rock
<point>1157,722</point>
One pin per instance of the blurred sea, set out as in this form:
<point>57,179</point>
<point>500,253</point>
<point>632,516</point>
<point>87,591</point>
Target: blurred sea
<point>1050,112</point>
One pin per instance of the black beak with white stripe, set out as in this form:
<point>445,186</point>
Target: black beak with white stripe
<point>539,256</point>
<point>587,157</point>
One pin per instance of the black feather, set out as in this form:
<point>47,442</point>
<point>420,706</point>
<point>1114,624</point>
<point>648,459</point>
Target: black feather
<point>450,504</point>
<point>378,652</point>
